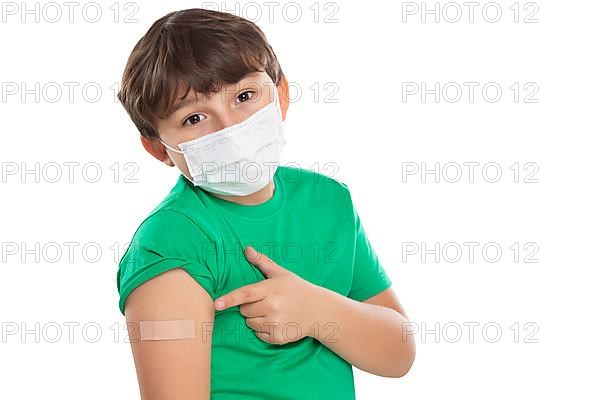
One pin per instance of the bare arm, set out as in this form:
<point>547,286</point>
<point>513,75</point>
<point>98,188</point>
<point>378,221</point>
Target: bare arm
<point>372,335</point>
<point>171,369</point>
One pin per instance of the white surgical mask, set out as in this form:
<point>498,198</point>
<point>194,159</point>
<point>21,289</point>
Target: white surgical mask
<point>240,159</point>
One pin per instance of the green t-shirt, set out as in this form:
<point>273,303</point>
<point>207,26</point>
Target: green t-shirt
<point>310,227</point>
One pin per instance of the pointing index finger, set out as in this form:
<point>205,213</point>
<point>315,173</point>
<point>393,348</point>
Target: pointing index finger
<point>245,294</point>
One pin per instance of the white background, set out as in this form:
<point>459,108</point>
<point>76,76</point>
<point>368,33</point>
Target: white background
<point>365,57</point>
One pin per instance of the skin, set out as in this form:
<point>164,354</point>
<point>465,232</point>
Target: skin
<point>371,335</point>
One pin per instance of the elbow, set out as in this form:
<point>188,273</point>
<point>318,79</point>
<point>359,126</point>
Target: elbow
<point>405,360</point>
<point>402,370</point>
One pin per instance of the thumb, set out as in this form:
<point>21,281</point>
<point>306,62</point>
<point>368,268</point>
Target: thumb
<point>267,266</point>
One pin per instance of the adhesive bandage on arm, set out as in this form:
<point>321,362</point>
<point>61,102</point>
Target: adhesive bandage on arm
<point>168,330</point>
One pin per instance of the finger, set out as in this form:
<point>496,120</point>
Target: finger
<point>244,294</point>
<point>268,267</point>
<point>257,324</point>
<point>265,337</point>
<point>254,309</point>
<point>269,338</point>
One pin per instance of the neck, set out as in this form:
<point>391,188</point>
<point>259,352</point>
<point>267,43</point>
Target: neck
<point>252,199</point>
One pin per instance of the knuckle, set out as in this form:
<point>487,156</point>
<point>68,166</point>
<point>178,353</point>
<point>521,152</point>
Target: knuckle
<point>275,305</point>
<point>248,294</point>
<point>242,309</point>
<point>252,325</point>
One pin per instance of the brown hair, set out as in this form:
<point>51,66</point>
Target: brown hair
<point>197,48</point>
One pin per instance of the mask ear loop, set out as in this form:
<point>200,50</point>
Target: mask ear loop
<point>277,103</point>
<point>169,147</point>
<point>283,140</point>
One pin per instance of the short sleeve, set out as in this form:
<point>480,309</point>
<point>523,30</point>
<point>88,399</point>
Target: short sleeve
<point>369,277</point>
<point>167,240</point>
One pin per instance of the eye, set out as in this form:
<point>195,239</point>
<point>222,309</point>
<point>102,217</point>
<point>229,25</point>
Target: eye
<point>193,119</point>
<point>244,95</point>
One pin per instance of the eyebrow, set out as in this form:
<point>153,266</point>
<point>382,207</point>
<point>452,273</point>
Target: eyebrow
<point>183,103</point>
<point>178,106</point>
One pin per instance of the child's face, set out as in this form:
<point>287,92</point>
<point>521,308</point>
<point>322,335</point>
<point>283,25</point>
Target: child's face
<point>198,115</point>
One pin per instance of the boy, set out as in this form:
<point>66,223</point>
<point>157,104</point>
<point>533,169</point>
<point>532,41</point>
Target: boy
<point>250,280</point>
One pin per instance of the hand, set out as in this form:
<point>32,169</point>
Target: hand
<point>281,308</point>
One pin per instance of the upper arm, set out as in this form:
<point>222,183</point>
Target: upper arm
<point>171,369</point>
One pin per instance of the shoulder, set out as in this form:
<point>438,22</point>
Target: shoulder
<point>165,240</point>
<point>326,198</point>
<point>164,224</point>
<point>171,230</point>
<point>179,212</point>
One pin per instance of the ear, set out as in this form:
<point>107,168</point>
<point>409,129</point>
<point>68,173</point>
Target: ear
<point>157,149</point>
<point>284,95</point>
